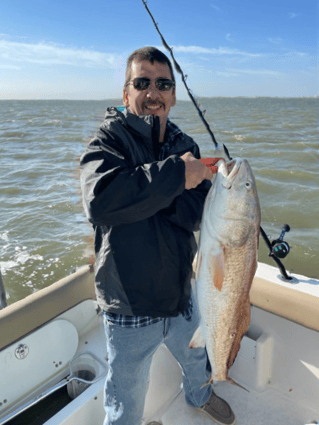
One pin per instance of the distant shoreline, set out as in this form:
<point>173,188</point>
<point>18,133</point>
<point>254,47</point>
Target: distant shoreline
<point>119,100</point>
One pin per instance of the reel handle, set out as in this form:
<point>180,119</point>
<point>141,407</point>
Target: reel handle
<point>280,248</point>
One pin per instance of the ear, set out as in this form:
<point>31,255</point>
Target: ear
<point>125,98</point>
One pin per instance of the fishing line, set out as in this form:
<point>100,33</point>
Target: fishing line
<point>201,114</point>
<point>270,222</point>
<point>184,77</point>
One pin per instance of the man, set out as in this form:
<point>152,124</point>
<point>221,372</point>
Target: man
<point>143,191</point>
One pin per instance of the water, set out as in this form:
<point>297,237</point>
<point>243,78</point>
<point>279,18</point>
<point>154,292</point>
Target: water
<point>44,234</point>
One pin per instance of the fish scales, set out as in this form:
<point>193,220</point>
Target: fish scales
<point>226,264</point>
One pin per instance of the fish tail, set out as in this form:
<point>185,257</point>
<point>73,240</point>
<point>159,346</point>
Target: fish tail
<point>209,382</point>
<point>231,381</point>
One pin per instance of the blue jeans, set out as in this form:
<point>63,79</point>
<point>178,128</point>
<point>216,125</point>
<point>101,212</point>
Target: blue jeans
<point>130,352</point>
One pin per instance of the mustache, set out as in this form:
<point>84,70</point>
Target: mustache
<point>152,102</point>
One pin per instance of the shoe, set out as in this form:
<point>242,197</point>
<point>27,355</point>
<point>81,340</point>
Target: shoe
<point>218,410</point>
<point>155,423</point>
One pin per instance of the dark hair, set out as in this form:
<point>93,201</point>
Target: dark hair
<point>151,54</point>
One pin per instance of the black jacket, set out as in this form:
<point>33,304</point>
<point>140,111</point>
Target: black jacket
<point>134,195</point>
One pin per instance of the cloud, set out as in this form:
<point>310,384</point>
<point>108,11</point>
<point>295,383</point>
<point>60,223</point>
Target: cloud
<point>218,9</point>
<point>227,74</point>
<point>276,40</point>
<point>51,54</point>
<point>256,72</point>
<point>228,37</point>
<point>294,53</point>
<point>293,15</point>
<point>4,66</point>
<point>218,52</point>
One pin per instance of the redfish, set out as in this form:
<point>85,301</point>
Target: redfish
<point>226,264</point>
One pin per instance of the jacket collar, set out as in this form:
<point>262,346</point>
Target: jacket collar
<point>142,124</point>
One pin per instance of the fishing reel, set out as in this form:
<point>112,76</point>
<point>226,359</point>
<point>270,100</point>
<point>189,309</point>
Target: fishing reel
<point>279,247</point>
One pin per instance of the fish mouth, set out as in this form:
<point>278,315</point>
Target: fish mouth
<point>233,168</point>
<point>229,171</point>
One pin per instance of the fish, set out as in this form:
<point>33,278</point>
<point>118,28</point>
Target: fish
<point>226,264</point>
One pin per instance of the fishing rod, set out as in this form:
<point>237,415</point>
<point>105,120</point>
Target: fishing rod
<point>277,248</point>
<point>184,77</point>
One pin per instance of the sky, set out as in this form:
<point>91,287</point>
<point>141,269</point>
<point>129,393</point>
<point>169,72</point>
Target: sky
<point>60,49</point>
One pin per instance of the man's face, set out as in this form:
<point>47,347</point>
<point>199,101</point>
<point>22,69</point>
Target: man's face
<point>150,101</point>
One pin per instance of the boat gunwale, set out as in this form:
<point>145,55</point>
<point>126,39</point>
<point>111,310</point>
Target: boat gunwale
<point>287,302</point>
<point>284,299</point>
<point>25,316</point>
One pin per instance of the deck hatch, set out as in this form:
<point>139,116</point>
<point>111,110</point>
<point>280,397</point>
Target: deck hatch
<point>35,359</point>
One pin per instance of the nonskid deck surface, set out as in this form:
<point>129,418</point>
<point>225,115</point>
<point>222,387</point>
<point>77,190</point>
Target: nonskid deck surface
<point>266,408</point>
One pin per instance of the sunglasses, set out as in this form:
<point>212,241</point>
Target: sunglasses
<point>142,83</point>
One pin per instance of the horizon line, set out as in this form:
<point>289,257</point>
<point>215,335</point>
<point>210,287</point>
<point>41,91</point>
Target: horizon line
<point>181,100</point>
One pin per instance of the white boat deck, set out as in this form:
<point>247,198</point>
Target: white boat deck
<point>280,402</point>
<point>275,405</point>
<point>268,408</point>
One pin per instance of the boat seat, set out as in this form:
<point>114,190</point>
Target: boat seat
<point>35,359</point>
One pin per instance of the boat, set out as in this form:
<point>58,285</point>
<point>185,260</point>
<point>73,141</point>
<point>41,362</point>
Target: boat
<point>53,358</point>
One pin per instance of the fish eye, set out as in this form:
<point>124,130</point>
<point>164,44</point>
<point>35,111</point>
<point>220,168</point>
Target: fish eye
<point>248,185</point>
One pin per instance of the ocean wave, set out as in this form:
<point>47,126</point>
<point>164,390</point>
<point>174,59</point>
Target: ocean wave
<point>40,142</point>
<point>20,257</point>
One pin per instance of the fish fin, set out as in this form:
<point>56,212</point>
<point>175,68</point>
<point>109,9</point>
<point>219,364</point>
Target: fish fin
<point>217,270</point>
<point>198,263</point>
<point>197,339</point>
<point>238,331</point>
<point>206,384</point>
<point>231,381</point>
<point>209,382</point>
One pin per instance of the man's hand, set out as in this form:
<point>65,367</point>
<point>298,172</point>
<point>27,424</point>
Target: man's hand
<point>195,171</point>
